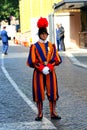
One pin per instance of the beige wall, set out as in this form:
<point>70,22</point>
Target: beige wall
<point>32,9</point>
<point>24,15</point>
<point>75,28</point>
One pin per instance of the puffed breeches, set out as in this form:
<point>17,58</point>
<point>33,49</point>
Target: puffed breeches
<point>42,83</point>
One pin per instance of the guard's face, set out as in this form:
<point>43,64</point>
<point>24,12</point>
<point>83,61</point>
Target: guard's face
<point>43,36</point>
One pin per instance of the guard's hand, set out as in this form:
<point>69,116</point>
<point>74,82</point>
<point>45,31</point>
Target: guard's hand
<point>45,70</point>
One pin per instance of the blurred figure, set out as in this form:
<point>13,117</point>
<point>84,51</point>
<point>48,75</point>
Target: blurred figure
<point>62,37</point>
<point>58,37</point>
<point>4,38</point>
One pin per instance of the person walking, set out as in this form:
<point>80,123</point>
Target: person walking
<point>4,38</point>
<point>58,37</point>
<point>43,57</point>
<point>62,37</point>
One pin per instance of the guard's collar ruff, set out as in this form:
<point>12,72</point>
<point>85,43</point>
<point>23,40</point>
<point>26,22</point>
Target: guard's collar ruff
<point>42,41</point>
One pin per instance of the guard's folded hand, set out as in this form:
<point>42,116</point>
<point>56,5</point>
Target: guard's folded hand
<point>46,70</point>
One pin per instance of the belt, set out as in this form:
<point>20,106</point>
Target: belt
<point>45,62</point>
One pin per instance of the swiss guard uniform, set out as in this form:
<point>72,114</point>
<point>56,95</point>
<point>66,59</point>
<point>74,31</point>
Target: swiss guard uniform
<point>43,57</point>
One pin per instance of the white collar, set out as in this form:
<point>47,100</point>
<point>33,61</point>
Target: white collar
<point>42,41</point>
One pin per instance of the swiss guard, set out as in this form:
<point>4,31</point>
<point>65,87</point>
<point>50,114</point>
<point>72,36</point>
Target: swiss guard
<point>43,57</point>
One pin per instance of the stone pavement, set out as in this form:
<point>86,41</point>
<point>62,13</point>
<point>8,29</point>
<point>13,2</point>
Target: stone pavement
<point>78,57</point>
<point>16,114</point>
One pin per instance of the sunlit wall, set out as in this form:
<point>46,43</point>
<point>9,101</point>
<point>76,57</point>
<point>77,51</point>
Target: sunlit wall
<point>32,9</point>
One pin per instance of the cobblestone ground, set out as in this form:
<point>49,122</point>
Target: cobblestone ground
<point>72,80</point>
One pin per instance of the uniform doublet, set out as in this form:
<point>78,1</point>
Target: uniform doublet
<point>44,54</point>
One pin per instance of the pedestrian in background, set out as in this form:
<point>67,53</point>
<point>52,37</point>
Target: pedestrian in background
<point>58,37</point>
<point>62,37</point>
<point>4,38</point>
<point>43,57</point>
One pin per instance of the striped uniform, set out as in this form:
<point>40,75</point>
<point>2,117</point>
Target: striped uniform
<point>40,55</point>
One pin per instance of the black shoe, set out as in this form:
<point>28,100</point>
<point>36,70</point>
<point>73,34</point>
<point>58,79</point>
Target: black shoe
<point>39,118</point>
<point>6,53</point>
<point>56,117</point>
